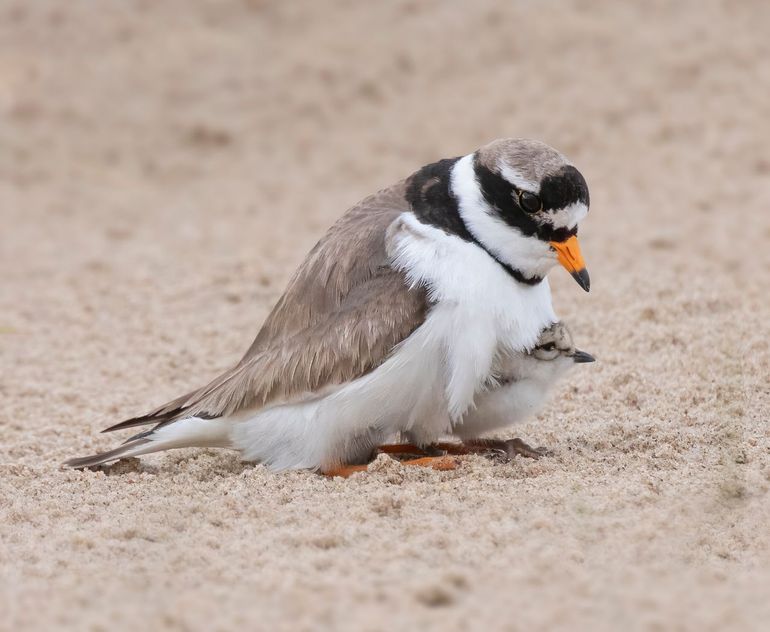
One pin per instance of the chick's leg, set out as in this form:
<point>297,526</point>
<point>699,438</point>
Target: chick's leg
<point>507,448</point>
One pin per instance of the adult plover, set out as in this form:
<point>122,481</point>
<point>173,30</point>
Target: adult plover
<point>393,321</point>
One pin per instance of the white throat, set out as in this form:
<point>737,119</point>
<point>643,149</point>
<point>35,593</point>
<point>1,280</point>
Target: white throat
<point>529,255</point>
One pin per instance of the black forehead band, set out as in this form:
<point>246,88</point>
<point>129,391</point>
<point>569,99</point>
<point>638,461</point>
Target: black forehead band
<point>564,188</point>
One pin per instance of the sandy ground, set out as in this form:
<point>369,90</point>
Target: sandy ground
<point>165,166</point>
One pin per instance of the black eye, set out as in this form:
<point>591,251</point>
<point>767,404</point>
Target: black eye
<point>549,347</point>
<point>530,202</point>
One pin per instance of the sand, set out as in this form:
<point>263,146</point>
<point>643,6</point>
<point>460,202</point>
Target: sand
<point>165,167</point>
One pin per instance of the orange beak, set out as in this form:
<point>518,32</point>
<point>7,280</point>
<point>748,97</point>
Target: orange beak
<point>571,259</point>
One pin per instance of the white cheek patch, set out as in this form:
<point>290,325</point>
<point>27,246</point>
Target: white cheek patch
<point>531,256</point>
<point>569,216</point>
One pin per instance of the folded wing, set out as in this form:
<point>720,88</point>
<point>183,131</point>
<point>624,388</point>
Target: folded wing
<point>340,317</point>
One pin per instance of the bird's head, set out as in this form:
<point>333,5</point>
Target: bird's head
<point>529,200</point>
<point>555,351</point>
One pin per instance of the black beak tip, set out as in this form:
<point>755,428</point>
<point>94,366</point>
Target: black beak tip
<point>581,357</point>
<point>582,278</point>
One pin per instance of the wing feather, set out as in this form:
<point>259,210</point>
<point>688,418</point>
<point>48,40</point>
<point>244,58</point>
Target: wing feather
<point>340,316</point>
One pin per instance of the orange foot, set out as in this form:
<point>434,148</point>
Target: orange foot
<point>441,463</point>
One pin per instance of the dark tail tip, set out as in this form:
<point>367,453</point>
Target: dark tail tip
<point>105,457</point>
<point>84,462</point>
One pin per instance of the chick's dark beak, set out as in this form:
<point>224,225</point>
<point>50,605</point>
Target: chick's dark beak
<point>581,356</point>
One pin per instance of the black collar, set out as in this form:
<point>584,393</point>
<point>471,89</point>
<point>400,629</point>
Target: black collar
<point>433,202</point>
<point>516,274</point>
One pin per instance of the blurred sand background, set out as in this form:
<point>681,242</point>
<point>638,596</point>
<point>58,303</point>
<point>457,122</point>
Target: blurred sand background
<point>164,166</point>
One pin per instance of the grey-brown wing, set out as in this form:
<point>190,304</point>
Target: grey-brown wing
<point>340,316</point>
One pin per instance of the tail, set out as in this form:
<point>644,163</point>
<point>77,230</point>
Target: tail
<point>133,447</point>
<point>193,432</point>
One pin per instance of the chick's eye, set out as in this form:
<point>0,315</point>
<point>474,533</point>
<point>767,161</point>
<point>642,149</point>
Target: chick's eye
<point>549,347</point>
<point>530,202</point>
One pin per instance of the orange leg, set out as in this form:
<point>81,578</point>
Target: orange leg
<point>452,447</point>
<point>343,470</point>
<point>400,448</point>
<point>441,463</point>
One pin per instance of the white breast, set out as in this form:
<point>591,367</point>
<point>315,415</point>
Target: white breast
<point>478,307</point>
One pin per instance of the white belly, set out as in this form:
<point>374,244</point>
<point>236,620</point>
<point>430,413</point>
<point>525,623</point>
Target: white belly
<point>345,425</point>
<point>501,408</point>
